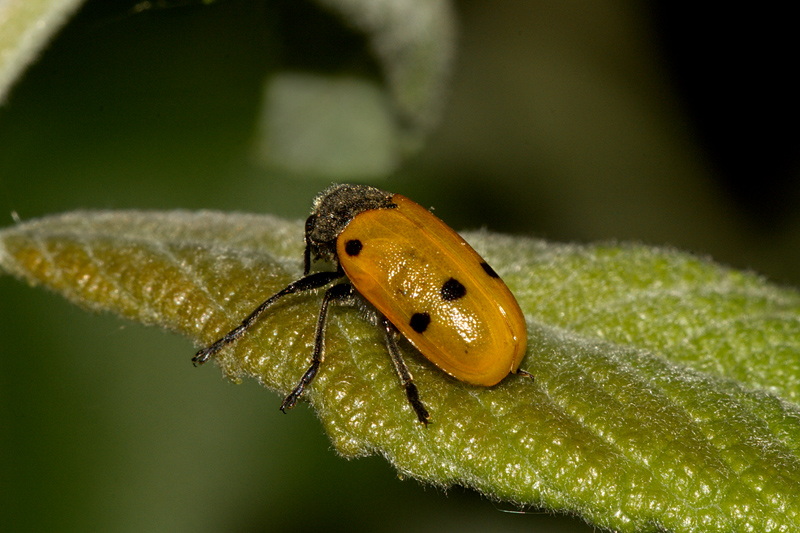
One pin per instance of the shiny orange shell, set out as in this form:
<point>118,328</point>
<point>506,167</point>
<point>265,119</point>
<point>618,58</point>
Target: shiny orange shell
<point>437,291</point>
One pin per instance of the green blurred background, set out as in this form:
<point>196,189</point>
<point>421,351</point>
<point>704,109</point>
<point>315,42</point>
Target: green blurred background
<point>577,121</point>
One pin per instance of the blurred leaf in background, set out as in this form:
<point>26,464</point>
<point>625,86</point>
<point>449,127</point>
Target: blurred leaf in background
<point>563,120</point>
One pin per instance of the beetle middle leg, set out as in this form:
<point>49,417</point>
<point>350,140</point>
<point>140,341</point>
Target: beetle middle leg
<point>406,379</point>
<point>340,292</point>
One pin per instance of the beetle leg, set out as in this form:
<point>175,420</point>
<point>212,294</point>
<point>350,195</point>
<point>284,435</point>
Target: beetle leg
<point>306,283</point>
<point>340,292</point>
<point>310,221</point>
<point>406,379</point>
<point>524,373</point>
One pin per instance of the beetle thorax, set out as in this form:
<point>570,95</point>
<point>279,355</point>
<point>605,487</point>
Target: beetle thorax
<point>333,210</point>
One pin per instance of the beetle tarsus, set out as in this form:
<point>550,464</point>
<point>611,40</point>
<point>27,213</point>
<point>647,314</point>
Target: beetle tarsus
<point>291,400</point>
<point>524,373</point>
<point>416,403</point>
<point>202,356</point>
<point>293,396</point>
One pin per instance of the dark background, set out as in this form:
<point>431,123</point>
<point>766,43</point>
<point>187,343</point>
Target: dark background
<point>576,121</point>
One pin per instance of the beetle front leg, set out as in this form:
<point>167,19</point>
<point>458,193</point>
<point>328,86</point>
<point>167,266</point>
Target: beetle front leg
<point>307,283</point>
<point>340,292</point>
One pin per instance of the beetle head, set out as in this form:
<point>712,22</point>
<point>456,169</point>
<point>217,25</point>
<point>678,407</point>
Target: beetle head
<point>332,211</point>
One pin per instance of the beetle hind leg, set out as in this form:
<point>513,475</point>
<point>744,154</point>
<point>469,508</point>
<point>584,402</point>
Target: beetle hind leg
<point>406,379</point>
<point>337,293</point>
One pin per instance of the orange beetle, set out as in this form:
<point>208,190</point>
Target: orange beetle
<point>423,280</point>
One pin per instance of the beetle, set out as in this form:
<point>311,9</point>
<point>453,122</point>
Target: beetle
<point>422,279</point>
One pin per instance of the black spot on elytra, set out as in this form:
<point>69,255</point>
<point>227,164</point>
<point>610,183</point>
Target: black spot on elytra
<point>453,290</point>
<point>489,270</point>
<point>353,247</point>
<point>419,322</point>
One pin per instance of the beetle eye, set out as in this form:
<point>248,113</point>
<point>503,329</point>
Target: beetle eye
<point>310,222</point>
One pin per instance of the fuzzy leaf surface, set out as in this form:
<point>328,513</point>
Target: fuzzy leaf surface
<point>666,386</point>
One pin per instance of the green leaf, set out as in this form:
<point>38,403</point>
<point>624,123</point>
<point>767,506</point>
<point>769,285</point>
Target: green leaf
<point>338,125</point>
<point>665,392</point>
<point>414,41</point>
<point>26,26</point>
